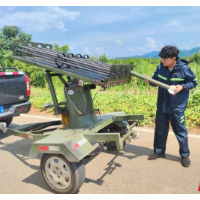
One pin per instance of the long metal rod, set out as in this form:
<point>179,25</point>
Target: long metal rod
<point>157,83</point>
<point>36,54</point>
<point>72,69</point>
<point>51,51</point>
<point>31,61</point>
<point>67,69</point>
<point>94,62</point>
<point>72,62</point>
<point>98,64</point>
<point>89,69</point>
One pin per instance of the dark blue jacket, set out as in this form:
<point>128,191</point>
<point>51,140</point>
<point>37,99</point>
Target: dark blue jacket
<point>180,75</point>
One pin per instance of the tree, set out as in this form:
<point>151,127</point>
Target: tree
<point>10,33</point>
<point>195,58</point>
<point>13,33</point>
<point>64,48</point>
<point>103,58</point>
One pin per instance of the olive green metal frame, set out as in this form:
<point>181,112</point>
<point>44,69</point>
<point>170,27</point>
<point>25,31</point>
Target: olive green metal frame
<point>64,138</point>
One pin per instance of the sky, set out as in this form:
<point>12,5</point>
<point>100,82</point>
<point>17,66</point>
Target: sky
<point>117,31</point>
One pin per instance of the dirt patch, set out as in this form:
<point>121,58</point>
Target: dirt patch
<point>46,112</point>
<point>34,111</point>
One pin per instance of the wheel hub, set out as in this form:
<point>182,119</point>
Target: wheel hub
<point>58,173</point>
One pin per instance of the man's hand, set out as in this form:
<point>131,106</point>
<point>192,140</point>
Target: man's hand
<point>178,89</point>
<point>147,80</point>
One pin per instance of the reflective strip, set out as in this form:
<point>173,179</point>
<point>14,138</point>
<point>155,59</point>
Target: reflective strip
<point>177,79</point>
<point>10,73</point>
<point>49,148</point>
<point>182,120</point>
<point>54,148</point>
<point>162,77</point>
<point>182,117</point>
<point>79,143</point>
<point>28,136</point>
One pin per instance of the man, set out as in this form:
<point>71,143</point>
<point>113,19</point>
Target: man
<point>172,71</point>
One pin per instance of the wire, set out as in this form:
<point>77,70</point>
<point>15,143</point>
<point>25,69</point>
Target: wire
<point>92,100</point>
<point>84,100</point>
<point>73,103</point>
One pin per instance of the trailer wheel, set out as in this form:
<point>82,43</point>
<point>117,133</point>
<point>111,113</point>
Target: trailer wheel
<point>62,176</point>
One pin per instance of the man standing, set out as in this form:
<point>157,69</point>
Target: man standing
<point>172,71</point>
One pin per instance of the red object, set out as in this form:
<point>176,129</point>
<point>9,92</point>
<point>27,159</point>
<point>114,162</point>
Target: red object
<point>199,188</point>
<point>75,146</point>
<point>28,86</point>
<point>124,80</point>
<point>25,135</point>
<point>111,82</point>
<point>15,73</point>
<point>11,73</point>
<point>22,108</point>
<point>118,81</point>
<point>43,148</point>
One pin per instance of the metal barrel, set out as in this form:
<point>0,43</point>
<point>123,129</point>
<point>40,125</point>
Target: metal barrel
<point>157,83</point>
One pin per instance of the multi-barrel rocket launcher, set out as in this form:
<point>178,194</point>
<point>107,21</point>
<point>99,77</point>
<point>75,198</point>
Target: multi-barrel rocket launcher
<point>81,131</point>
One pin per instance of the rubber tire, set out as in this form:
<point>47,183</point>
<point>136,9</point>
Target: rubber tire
<point>77,171</point>
<point>7,121</point>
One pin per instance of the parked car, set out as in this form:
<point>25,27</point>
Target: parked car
<point>14,94</point>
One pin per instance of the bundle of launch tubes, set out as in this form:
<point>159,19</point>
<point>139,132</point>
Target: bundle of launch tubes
<point>78,65</point>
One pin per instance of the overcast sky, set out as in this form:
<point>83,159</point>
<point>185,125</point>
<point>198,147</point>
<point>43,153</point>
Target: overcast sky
<point>116,31</point>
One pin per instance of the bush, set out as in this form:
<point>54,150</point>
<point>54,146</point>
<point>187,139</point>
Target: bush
<point>195,58</point>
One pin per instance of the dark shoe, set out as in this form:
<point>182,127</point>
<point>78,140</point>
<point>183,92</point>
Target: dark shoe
<point>155,156</point>
<point>186,162</point>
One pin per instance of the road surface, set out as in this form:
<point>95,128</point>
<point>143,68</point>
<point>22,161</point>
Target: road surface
<point>128,171</point>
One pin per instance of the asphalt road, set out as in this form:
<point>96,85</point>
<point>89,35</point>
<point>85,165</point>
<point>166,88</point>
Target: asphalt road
<point>128,171</point>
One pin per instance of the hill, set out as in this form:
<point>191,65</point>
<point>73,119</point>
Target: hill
<point>154,54</point>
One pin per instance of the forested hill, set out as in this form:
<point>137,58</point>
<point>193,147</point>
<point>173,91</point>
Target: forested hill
<point>154,54</point>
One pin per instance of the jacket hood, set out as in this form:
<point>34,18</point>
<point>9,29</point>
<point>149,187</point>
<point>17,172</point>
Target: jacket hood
<point>182,62</point>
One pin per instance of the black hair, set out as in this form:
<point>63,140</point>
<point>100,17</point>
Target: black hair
<point>169,52</point>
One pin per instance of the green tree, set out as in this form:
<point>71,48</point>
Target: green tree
<point>195,58</point>
<point>10,32</point>
<point>64,48</point>
<point>7,35</point>
<point>103,58</point>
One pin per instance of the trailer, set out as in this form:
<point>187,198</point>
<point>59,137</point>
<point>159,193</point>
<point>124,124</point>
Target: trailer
<point>83,131</point>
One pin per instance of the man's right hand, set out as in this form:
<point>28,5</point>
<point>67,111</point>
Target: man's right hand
<point>147,80</point>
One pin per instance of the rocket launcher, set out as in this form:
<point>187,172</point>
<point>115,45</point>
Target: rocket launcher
<point>78,66</point>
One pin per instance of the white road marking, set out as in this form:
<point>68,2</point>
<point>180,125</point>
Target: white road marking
<point>35,116</point>
<point>170,132</point>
